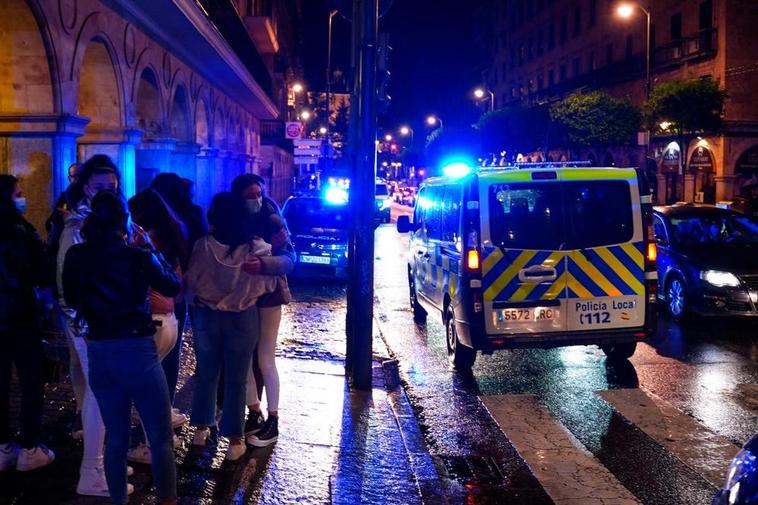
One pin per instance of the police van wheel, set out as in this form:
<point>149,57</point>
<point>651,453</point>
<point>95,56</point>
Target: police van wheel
<point>620,351</point>
<point>461,357</point>
<point>419,314</point>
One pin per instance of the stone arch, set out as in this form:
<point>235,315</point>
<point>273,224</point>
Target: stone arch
<point>149,103</point>
<point>26,62</point>
<point>219,129</point>
<point>592,159</point>
<point>201,122</point>
<point>99,94</point>
<point>179,117</point>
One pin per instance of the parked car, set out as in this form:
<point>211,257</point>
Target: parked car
<point>741,486</point>
<point>408,196</point>
<point>319,229</point>
<point>382,202</point>
<point>707,261</point>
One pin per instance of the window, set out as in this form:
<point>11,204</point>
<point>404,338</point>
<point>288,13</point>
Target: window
<point>562,72</point>
<point>676,26</point>
<point>432,221</point>
<point>659,230</point>
<point>564,29</point>
<point>577,66</point>
<point>705,15</point>
<point>713,228</point>
<point>593,13</point>
<point>555,216</point>
<point>451,212</point>
<point>304,214</point>
<point>609,54</point>
<point>629,46</point>
<point>551,37</point>
<point>577,21</point>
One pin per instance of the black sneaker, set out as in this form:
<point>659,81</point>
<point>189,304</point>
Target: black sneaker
<point>254,423</point>
<point>268,434</point>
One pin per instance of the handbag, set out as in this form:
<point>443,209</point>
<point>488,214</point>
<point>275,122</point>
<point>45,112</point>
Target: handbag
<point>280,295</point>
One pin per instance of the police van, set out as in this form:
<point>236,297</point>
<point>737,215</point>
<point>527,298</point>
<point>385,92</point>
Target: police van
<point>534,256</point>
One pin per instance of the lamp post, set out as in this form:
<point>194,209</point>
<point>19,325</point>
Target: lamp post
<point>433,120</point>
<point>329,73</point>
<point>479,94</point>
<point>625,10</point>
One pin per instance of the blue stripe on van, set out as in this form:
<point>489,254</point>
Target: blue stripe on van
<point>585,280</point>
<point>611,274</point>
<point>515,283</point>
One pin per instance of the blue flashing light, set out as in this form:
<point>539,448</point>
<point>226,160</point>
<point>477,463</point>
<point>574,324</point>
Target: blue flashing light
<point>336,196</point>
<point>457,169</point>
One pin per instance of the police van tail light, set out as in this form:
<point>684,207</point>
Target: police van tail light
<point>652,253</point>
<point>472,260</point>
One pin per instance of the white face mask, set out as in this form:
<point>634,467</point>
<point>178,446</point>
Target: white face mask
<point>254,205</point>
<point>20,204</point>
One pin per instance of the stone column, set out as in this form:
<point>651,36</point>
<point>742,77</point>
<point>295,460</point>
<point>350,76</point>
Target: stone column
<point>184,160</point>
<point>152,156</point>
<point>689,188</point>
<point>661,181</point>
<point>724,187</point>
<point>119,144</point>
<point>206,166</point>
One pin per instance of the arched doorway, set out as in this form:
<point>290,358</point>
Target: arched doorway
<point>201,123</point>
<point>153,156</point>
<point>668,167</point>
<point>98,96</point>
<point>26,88</point>
<point>701,166</point>
<point>180,120</point>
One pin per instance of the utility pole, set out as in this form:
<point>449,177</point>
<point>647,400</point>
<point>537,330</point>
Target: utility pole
<point>363,193</point>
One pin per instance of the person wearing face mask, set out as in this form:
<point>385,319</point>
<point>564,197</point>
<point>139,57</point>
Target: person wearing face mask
<point>265,221</point>
<point>97,174</point>
<point>21,253</point>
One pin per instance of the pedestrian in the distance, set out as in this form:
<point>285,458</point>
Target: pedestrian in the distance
<point>225,319</point>
<point>21,257</point>
<point>98,173</point>
<point>266,222</point>
<point>106,281</point>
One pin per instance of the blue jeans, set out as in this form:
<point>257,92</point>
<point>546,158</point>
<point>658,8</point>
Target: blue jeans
<point>122,371</point>
<point>223,338</point>
<point>171,363</point>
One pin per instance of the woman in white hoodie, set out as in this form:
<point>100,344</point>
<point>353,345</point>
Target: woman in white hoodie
<point>224,292</point>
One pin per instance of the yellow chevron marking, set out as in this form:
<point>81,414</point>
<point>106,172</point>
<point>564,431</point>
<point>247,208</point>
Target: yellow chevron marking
<point>594,274</point>
<point>499,284</point>
<point>634,254</point>
<point>526,288</point>
<point>557,288</point>
<point>577,287</point>
<point>453,284</point>
<point>491,260</point>
<point>621,270</point>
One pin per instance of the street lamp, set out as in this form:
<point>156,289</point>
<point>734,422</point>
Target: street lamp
<point>323,130</point>
<point>406,131</point>
<point>297,87</point>
<point>625,10</point>
<point>305,115</point>
<point>433,120</point>
<point>329,72</point>
<point>388,137</point>
<point>479,94</point>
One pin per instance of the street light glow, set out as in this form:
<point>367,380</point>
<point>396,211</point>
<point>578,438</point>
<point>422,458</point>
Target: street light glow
<point>322,130</point>
<point>388,137</point>
<point>479,93</point>
<point>297,87</point>
<point>431,120</point>
<point>305,115</point>
<point>625,10</point>
<point>665,125</point>
<point>404,130</point>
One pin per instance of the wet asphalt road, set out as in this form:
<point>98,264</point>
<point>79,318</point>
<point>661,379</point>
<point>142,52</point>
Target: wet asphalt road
<point>700,367</point>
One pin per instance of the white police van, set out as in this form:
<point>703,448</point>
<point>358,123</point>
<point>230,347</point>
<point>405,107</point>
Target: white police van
<point>534,256</point>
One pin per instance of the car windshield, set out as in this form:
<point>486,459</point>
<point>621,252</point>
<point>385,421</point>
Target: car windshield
<point>713,229</point>
<point>305,215</point>
<point>560,215</point>
<point>381,190</point>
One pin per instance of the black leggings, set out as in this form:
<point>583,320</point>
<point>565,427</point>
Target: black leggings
<point>25,350</point>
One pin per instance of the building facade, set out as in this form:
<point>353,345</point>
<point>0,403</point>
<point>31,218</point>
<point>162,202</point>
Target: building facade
<point>542,50</point>
<point>158,85</point>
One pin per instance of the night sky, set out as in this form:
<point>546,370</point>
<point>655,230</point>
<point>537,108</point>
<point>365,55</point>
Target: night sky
<point>434,64</point>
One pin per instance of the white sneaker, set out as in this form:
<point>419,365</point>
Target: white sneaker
<point>8,456</point>
<point>235,451</point>
<point>140,454</point>
<point>30,459</point>
<point>92,482</point>
<point>178,419</point>
<point>201,436</point>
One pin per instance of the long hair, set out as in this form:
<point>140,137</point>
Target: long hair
<point>173,191</point>
<point>151,212</point>
<point>98,164</point>
<point>108,220</point>
<point>227,216</point>
<point>258,224</point>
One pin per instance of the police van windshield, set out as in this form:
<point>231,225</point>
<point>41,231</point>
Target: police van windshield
<point>304,215</point>
<point>560,215</point>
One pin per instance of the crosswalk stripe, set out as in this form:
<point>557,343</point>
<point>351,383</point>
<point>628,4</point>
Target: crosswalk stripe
<point>568,473</point>
<point>693,444</point>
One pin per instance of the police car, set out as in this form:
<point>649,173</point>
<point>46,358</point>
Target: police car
<point>533,256</point>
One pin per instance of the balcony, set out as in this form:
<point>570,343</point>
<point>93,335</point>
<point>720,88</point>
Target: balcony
<point>701,45</point>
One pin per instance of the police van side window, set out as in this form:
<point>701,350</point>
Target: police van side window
<point>432,214</point>
<point>451,217</point>
<point>418,210</point>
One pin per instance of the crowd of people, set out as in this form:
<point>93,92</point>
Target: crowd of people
<point>127,276</point>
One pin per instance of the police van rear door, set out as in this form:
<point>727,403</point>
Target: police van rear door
<point>605,263</point>
<point>523,240</point>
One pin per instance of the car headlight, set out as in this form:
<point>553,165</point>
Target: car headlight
<point>720,279</point>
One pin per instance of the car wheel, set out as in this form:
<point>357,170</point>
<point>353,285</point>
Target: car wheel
<point>419,314</point>
<point>619,351</point>
<point>676,297</point>
<point>460,356</point>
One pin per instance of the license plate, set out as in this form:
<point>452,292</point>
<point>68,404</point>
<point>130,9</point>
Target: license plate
<point>318,260</point>
<point>526,315</point>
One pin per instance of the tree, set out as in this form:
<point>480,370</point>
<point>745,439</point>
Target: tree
<point>514,129</point>
<point>596,119</point>
<point>444,144</point>
<point>690,107</point>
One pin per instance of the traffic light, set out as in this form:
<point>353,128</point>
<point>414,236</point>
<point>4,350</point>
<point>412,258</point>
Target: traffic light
<point>384,50</point>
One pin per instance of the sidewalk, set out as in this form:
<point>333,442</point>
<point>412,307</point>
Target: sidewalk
<point>335,445</point>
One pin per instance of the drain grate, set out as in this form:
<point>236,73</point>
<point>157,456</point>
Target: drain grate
<point>467,469</point>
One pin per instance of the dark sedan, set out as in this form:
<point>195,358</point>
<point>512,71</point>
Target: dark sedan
<point>707,261</point>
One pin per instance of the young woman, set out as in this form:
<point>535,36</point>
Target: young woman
<point>224,284</point>
<point>265,221</point>
<point>106,281</point>
<point>97,174</point>
<point>21,259</point>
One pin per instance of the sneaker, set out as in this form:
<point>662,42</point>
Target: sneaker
<point>201,436</point>
<point>268,434</point>
<point>8,456</point>
<point>235,452</point>
<point>77,429</point>
<point>140,454</point>
<point>129,471</point>
<point>254,422</point>
<point>92,482</point>
<point>178,419</point>
<point>30,459</point>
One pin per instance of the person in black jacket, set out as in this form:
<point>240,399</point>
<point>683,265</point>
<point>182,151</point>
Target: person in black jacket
<point>22,256</point>
<point>106,281</point>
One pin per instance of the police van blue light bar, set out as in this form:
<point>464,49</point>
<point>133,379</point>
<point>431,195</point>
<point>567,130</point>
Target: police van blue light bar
<point>457,169</point>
